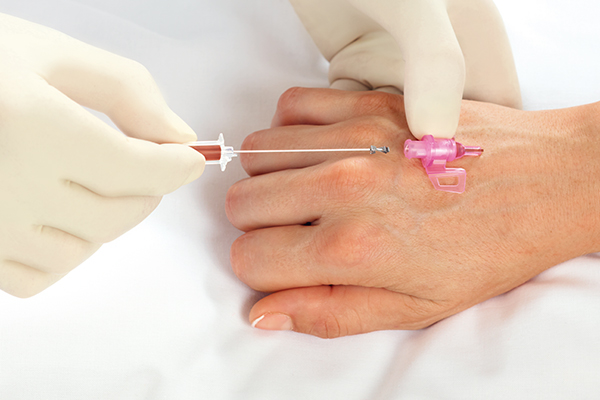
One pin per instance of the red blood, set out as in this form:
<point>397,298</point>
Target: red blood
<point>211,153</point>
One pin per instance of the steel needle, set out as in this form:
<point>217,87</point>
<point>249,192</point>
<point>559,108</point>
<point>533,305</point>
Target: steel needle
<point>371,150</point>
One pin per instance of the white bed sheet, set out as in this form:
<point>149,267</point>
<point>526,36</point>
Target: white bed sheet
<point>158,314</point>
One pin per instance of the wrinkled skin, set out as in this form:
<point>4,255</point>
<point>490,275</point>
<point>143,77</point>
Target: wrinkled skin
<point>352,244</point>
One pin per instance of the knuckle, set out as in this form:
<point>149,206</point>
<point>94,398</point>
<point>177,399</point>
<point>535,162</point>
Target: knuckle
<point>377,130</point>
<point>377,103</point>
<point>136,70</point>
<point>290,97</point>
<point>374,60</point>
<point>349,179</point>
<point>288,101</point>
<point>349,245</point>
<point>132,79</point>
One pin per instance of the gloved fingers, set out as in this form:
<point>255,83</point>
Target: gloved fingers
<point>304,106</point>
<point>434,69</point>
<point>139,168</point>
<point>491,75</point>
<point>335,311</point>
<point>23,281</point>
<point>356,46</point>
<point>332,24</point>
<point>372,61</point>
<point>119,87</point>
<point>358,133</point>
<point>93,218</point>
<point>48,249</point>
<point>122,89</point>
<point>284,257</point>
<point>105,161</point>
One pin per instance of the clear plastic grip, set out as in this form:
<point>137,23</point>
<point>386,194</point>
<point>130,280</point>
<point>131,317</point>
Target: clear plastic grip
<point>214,151</point>
<point>434,154</point>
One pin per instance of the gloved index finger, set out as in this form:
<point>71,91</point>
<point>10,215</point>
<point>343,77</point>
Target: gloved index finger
<point>136,167</point>
<point>142,168</point>
<point>116,86</point>
<point>89,152</point>
<point>435,67</point>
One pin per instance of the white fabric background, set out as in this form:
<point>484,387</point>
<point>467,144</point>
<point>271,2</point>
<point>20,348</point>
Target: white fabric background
<point>158,314</point>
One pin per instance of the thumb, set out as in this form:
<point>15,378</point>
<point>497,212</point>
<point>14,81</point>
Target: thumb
<point>434,75</point>
<point>334,311</point>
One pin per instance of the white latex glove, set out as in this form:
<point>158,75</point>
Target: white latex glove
<point>414,47</point>
<point>68,181</point>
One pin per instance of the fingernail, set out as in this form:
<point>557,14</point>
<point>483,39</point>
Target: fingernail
<point>273,322</point>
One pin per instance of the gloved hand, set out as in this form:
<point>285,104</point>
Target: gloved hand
<point>414,47</point>
<point>68,181</point>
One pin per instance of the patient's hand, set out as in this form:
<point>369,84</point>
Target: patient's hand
<point>352,244</point>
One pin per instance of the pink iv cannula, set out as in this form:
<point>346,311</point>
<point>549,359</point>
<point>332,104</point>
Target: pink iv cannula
<point>434,154</point>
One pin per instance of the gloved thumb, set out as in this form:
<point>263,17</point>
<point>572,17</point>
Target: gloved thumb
<point>334,311</point>
<point>434,75</point>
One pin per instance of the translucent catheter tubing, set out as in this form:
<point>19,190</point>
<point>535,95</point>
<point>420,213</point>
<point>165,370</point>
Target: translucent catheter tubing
<point>215,151</point>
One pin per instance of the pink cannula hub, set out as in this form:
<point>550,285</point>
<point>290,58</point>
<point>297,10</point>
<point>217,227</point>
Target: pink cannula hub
<point>434,154</point>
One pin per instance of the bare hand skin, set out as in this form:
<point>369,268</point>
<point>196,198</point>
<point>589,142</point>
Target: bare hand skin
<point>353,244</point>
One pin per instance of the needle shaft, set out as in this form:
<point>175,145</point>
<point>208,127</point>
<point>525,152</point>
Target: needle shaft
<point>371,149</point>
<point>294,150</point>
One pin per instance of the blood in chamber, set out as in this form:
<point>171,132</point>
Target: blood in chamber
<point>210,153</point>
